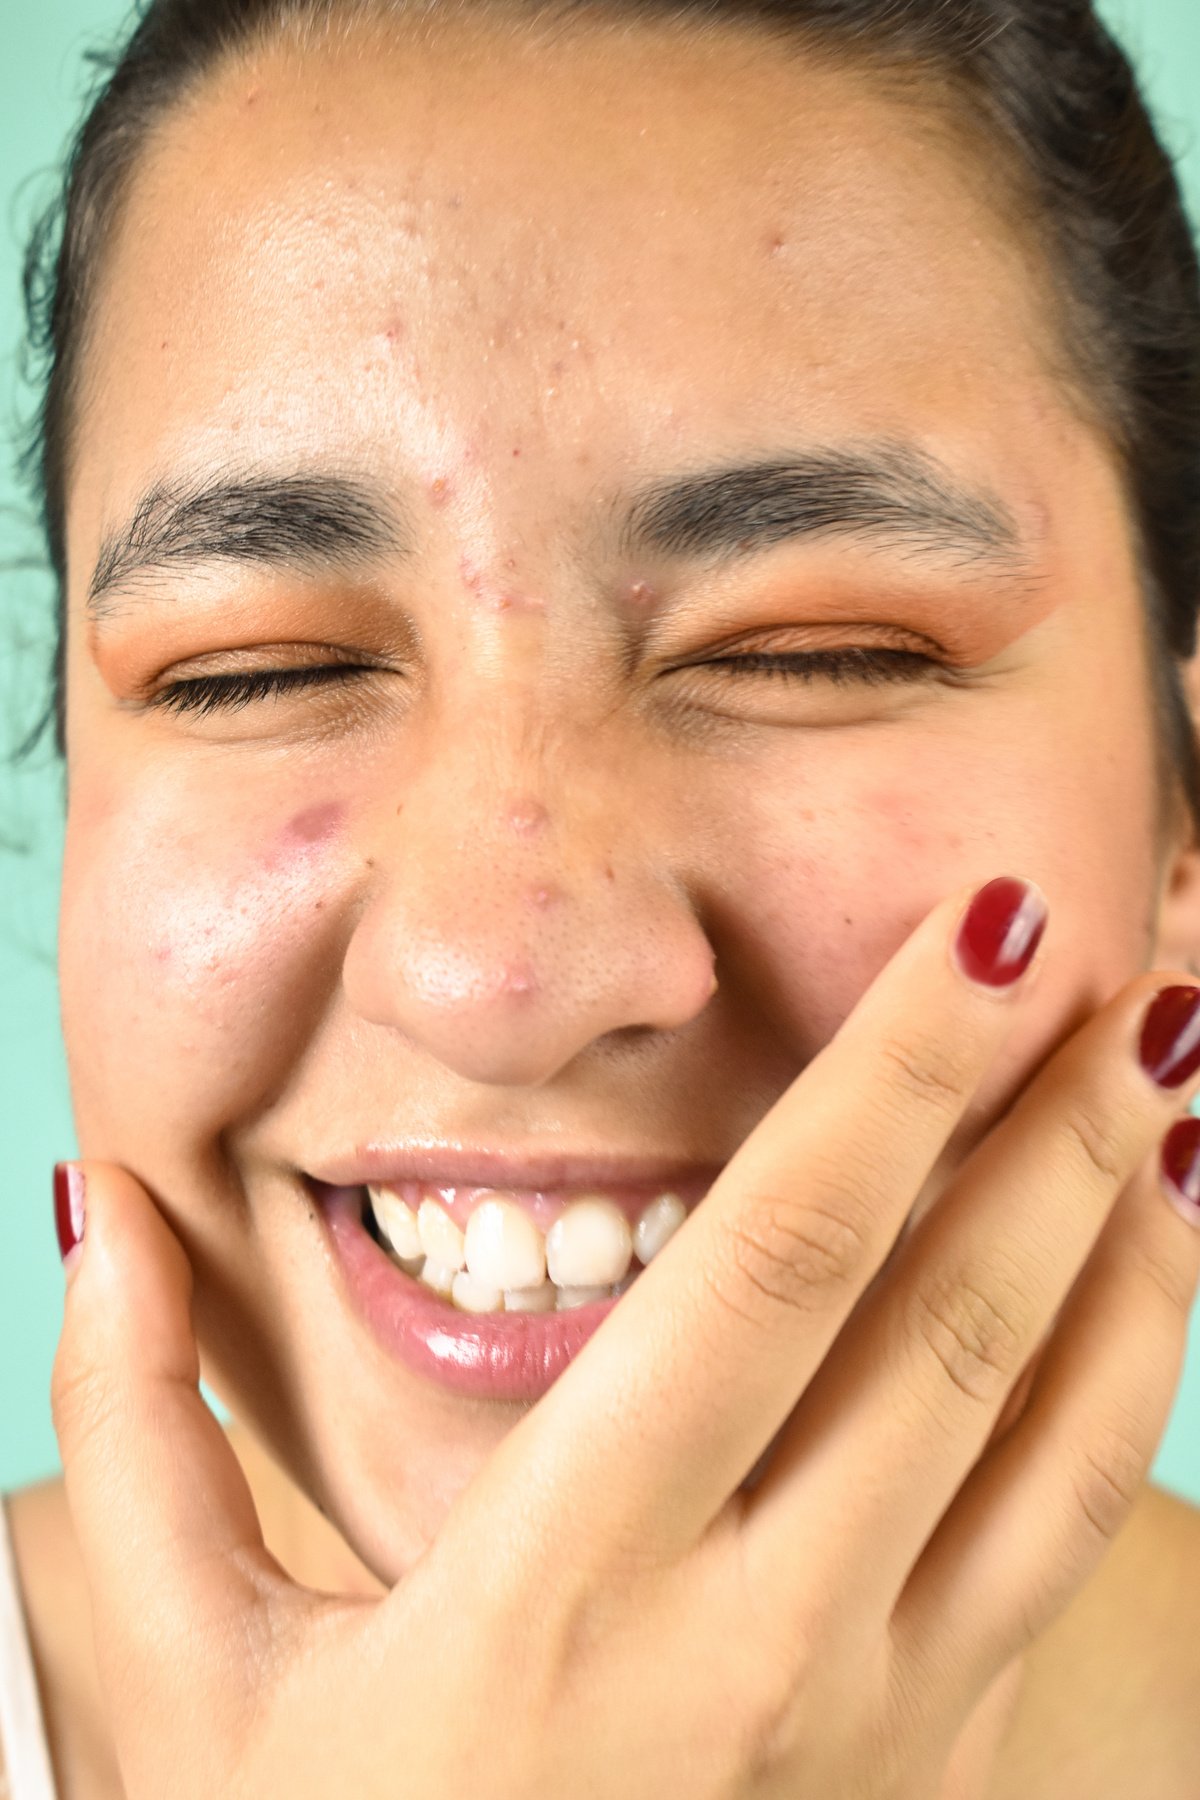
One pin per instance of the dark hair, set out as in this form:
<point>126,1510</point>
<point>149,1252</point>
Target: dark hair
<point>1042,79</point>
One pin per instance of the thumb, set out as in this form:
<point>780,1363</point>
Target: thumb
<point>167,1530</point>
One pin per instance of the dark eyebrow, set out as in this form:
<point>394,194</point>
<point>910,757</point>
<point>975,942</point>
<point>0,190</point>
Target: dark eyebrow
<point>311,522</point>
<point>892,494</point>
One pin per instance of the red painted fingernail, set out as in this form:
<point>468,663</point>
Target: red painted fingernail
<point>69,1208</point>
<point>1170,1044</point>
<point>1001,931</point>
<point>1180,1165</point>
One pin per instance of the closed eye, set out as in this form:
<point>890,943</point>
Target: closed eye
<point>204,694</point>
<point>841,667</point>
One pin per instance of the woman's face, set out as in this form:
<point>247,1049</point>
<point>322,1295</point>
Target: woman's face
<point>554,876</point>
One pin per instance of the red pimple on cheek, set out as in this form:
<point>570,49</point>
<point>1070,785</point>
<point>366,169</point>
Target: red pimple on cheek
<point>544,897</point>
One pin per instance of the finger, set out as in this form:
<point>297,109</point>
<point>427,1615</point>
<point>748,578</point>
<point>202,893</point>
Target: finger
<point>1044,1503</point>
<point>165,1521</point>
<point>904,1408</point>
<point>687,1381</point>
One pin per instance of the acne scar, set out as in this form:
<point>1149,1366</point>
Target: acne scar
<point>315,823</point>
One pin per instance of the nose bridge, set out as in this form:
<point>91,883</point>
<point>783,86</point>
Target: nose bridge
<point>520,909</point>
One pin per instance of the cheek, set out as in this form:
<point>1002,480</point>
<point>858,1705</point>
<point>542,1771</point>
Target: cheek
<point>828,870</point>
<point>193,958</point>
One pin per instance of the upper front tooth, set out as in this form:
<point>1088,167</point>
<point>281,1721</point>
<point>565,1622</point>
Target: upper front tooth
<point>589,1245</point>
<point>397,1221</point>
<point>441,1240</point>
<point>504,1248</point>
<point>656,1224</point>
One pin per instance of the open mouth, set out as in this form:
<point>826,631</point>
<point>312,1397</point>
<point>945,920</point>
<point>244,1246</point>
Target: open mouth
<point>491,1292</point>
<point>487,1250</point>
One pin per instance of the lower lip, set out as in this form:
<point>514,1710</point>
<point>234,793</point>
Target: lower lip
<point>486,1356</point>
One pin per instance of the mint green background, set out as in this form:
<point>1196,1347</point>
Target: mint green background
<point>42,76</point>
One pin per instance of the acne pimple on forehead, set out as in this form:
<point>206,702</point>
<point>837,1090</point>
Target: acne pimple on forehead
<point>512,601</point>
<point>527,816</point>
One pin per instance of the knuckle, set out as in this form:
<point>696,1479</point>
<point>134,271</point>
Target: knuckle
<point>1165,1276</point>
<point>927,1071</point>
<point>1097,1141</point>
<point>789,1253</point>
<point>1106,1480</point>
<point>974,1324</point>
<point>81,1402</point>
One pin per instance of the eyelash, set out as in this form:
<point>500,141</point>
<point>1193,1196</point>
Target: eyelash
<point>215,693</point>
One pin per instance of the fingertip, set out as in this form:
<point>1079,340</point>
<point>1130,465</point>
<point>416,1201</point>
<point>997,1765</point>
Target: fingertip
<point>70,1212</point>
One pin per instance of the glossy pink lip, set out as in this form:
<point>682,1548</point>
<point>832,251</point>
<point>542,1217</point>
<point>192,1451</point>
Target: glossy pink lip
<point>485,1356</point>
<point>463,1166</point>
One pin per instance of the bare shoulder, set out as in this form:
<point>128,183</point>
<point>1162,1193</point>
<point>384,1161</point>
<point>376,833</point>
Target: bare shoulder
<point>57,1609</point>
<point>1108,1706</point>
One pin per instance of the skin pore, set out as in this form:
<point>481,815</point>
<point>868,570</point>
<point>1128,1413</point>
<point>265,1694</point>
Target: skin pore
<point>549,876</point>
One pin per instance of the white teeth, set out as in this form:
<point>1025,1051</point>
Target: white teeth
<point>441,1238</point>
<point>475,1296</point>
<point>580,1296</point>
<point>504,1248</point>
<point>397,1221</point>
<point>589,1245</point>
<point>658,1223</point>
<point>531,1299</point>
<point>437,1276</point>
<point>503,1263</point>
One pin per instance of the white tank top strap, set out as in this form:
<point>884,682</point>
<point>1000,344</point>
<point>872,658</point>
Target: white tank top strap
<point>26,1760</point>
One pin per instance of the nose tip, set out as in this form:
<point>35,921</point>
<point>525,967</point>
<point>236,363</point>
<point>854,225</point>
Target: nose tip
<point>507,985</point>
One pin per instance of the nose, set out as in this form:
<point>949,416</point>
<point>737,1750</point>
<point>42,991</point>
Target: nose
<point>522,908</point>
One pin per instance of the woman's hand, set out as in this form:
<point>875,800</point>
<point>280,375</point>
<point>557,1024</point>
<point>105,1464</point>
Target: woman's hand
<point>606,1612</point>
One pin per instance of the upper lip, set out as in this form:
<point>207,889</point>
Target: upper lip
<point>465,1166</point>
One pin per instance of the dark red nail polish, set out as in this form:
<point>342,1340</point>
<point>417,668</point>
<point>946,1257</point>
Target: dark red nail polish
<point>1001,931</point>
<point>69,1207</point>
<point>1170,1045</point>
<point>1180,1164</point>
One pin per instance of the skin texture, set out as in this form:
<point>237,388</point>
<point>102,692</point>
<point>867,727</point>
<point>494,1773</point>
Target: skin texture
<point>506,891</point>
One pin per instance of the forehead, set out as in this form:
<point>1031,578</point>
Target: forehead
<point>410,247</point>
